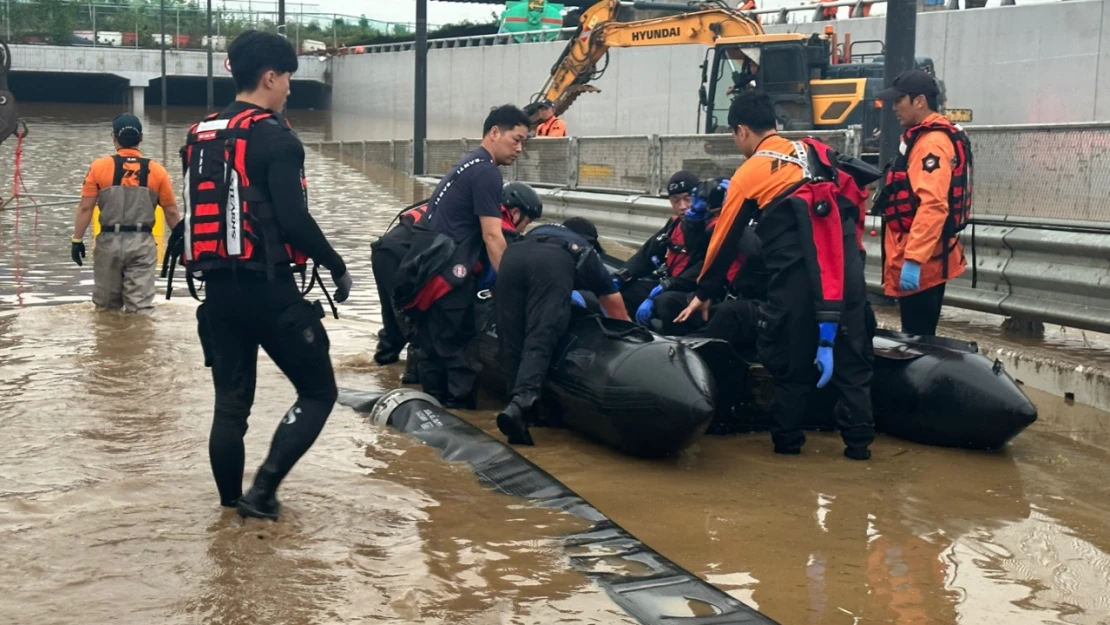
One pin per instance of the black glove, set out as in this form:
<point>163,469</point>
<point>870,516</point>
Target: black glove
<point>77,251</point>
<point>343,286</point>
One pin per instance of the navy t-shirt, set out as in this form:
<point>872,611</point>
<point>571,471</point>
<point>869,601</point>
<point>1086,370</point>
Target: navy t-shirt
<point>472,189</point>
<point>592,276</point>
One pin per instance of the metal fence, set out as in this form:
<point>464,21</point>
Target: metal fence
<point>638,164</point>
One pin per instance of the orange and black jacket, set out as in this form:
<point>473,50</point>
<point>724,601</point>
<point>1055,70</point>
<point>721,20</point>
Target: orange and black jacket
<point>797,220</point>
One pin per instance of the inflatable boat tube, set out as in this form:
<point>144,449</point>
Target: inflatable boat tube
<point>930,390</point>
<point>618,383</point>
<point>663,593</point>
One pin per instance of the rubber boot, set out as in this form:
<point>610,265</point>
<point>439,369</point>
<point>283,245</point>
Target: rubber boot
<point>261,502</point>
<point>387,353</point>
<point>513,421</point>
<point>412,372</point>
<point>857,453</point>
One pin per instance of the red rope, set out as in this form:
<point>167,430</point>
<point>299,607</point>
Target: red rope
<point>17,179</point>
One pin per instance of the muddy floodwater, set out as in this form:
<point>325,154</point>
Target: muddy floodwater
<point>108,511</point>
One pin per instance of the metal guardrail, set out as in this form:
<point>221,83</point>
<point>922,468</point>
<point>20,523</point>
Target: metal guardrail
<point>636,164</point>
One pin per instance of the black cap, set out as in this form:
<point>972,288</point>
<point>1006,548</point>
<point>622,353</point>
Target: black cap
<point>127,122</point>
<point>545,103</point>
<point>682,182</point>
<point>586,229</point>
<point>912,83</point>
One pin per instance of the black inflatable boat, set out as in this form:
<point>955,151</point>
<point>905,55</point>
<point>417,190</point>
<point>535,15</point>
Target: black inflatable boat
<point>644,394</point>
<point>649,395</point>
<point>930,390</point>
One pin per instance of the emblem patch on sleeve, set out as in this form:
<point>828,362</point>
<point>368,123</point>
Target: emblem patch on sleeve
<point>930,163</point>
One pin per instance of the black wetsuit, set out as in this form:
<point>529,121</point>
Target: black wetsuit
<point>533,302</point>
<point>245,310</point>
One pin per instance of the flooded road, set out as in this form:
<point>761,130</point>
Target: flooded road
<point>108,512</point>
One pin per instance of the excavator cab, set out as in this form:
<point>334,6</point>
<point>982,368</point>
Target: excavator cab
<point>783,66</point>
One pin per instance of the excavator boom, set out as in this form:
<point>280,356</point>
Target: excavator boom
<point>599,30</point>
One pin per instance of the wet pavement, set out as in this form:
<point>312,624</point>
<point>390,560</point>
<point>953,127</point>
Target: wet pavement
<point>108,512</point>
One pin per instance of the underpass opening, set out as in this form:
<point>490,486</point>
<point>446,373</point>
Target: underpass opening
<point>65,87</point>
<point>192,91</point>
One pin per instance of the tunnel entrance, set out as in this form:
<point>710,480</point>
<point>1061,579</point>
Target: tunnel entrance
<point>82,88</point>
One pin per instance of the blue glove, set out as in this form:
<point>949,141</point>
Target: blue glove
<point>824,360</point>
<point>617,284</point>
<point>576,299</point>
<point>698,208</point>
<point>655,261</point>
<point>489,276</point>
<point>643,313</point>
<point>911,276</point>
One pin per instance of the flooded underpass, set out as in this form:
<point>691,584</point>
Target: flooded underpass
<point>108,511</point>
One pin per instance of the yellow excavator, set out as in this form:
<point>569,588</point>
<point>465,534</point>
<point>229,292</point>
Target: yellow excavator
<point>813,81</point>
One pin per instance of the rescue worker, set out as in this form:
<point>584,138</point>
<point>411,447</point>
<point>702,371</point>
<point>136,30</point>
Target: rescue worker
<point>667,301</point>
<point>520,204</point>
<point>386,253</point>
<point>925,203</point>
<point>436,282</point>
<point>538,276</point>
<point>128,188</point>
<point>247,230</point>
<point>664,254</point>
<point>550,124</point>
<point>815,313</point>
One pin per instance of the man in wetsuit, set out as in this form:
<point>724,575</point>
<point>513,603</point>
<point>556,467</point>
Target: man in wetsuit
<point>533,304</point>
<point>437,281</point>
<point>246,242</point>
<point>666,251</point>
<point>816,292</point>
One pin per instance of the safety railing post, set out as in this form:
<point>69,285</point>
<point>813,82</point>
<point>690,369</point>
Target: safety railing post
<point>655,164</point>
<point>572,164</point>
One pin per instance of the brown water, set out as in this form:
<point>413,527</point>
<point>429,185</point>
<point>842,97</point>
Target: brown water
<point>108,512</point>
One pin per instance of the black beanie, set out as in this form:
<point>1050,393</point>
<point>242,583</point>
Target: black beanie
<point>682,182</point>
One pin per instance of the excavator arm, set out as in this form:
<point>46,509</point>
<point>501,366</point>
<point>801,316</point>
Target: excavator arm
<point>599,30</point>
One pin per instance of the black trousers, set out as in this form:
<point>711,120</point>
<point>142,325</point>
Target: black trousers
<point>921,311</point>
<point>239,315</point>
<point>634,293</point>
<point>533,312</point>
<point>668,305</point>
<point>733,320</point>
<point>786,342</point>
<point>385,263</point>
<point>447,348</point>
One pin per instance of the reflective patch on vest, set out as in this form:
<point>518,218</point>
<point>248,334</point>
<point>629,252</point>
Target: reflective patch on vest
<point>214,124</point>
<point>459,271</point>
<point>930,163</point>
<point>234,225</point>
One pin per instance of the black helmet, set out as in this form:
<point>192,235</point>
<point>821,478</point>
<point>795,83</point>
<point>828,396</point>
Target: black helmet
<point>523,197</point>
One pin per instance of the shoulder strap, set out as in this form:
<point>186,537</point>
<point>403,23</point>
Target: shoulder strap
<point>450,180</point>
<point>800,158</point>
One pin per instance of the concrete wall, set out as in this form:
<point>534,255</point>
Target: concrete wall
<point>1025,64</point>
<point>138,65</point>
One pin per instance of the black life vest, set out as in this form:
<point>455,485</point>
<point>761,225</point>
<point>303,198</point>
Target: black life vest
<point>896,202</point>
<point>229,222</point>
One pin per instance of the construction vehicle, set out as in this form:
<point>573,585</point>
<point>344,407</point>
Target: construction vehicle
<point>814,81</point>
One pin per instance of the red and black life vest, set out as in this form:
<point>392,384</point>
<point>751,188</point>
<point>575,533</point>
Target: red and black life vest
<point>896,201</point>
<point>677,258</point>
<point>229,222</point>
<point>417,215</point>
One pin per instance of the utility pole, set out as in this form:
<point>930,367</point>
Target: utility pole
<point>901,41</point>
<point>208,28</point>
<point>162,16</point>
<point>281,18</point>
<point>420,99</point>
